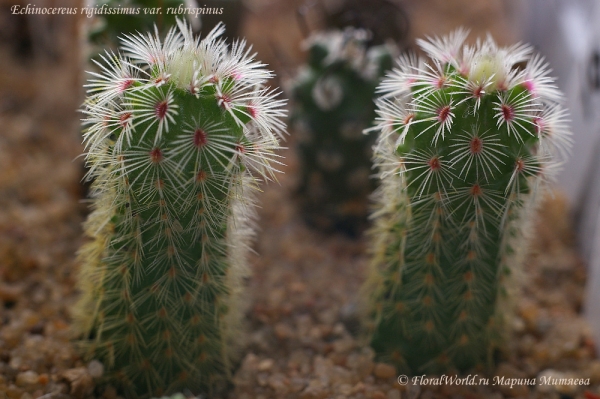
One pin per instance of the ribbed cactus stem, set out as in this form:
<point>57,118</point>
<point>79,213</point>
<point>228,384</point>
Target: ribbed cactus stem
<point>178,134</point>
<point>466,142</point>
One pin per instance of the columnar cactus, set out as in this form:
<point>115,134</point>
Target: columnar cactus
<point>178,135</point>
<point>466,142</point>
<point>333,102</point>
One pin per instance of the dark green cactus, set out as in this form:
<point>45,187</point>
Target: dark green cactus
<point>466,143</point>
<point>333,102</point>
<point>178,135</point>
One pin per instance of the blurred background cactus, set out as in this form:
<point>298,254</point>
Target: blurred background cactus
<point>178,134</point>
<point>332,104</point>
<point>467,142</point>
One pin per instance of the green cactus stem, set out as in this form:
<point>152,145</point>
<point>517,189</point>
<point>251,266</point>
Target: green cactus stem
<point>333,103</point>
<point>178,134</point>
<point>467,142</point>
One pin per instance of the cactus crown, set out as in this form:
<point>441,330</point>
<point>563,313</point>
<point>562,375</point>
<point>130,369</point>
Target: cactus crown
<point>466,141</point>
<point>178,133</point>
<point>333,103</point>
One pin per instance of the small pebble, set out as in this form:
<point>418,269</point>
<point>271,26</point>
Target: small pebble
<point>283,331</point>
<point>543,324</point>
<point>384,371</point>
<point>95,368</point>
<point>345,389</point>
<point>359,387</point>
<point>339,329</point>
<point>378,395</point>
<point>10,292</point>
<point>27,378</point>
<point>266,364</point>
<point>80,381</point>
<point>12,392</point>
<point>297,384</point>
<point>343,345</point>
<point>518,325</point>
<point>262,379</point>
<point>279,383</point>
<point>529,313</point>
<point>314,390</point>
<point>393,394</point>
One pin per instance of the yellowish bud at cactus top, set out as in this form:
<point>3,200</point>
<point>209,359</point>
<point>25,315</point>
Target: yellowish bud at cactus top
<point>183,66</point>
<point>488,67</point>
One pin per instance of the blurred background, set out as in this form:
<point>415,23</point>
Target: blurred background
<point>302,318</point>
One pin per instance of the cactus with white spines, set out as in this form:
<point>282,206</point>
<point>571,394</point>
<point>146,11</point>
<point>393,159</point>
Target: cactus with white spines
<point>467,142</point>
<point>178,134</point>
<point>333,103</point>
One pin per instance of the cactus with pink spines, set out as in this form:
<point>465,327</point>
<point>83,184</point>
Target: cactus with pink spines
<point>179,132</point>
<point>468,141</point>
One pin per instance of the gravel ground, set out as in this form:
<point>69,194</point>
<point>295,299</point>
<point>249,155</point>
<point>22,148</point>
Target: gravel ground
<point>301,339</point>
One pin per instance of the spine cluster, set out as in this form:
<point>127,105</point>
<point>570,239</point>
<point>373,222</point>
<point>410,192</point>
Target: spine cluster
<point>467,141</point>
<point>333,103</point>
<point>178,134</point>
